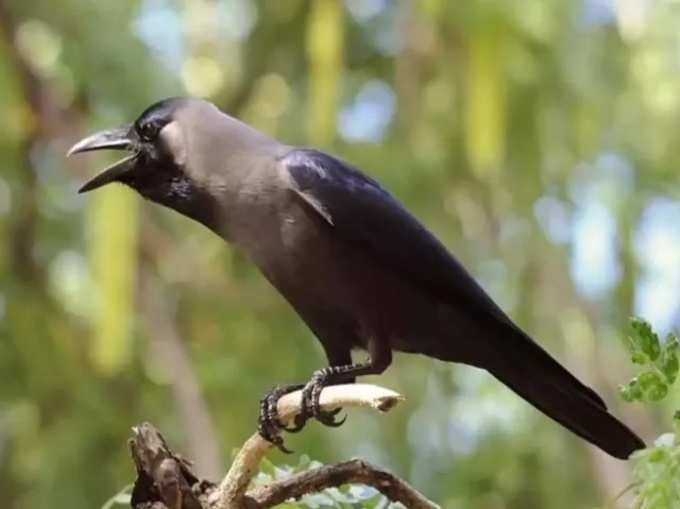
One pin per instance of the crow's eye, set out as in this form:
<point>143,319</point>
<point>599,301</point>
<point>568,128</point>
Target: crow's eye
<point>148,131</point>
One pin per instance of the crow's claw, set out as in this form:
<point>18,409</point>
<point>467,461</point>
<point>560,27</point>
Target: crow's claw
<point>268,424</point>
<point>311,406</point>
<point>328,419</point>
<point>270,427</point>
<point>298,423</point>
<point>278,443</point>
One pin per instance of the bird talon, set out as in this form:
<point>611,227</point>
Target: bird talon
<point>328,419</point>
<point>272,436</point>
<point>269,433</point>
<point>312,407</point>
<point>278,443</point>
<point>269,426</point>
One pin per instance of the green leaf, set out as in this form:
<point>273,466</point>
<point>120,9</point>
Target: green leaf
<point>639,358</point>
<point>632,391</point>
<point>672,342</point>
<point>652,385</point>
<point>657,455</point>
<point>645,339</point>
<point>626,393</point>
<point>668,364</point>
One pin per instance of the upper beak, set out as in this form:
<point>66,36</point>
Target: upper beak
<point>117,139</point>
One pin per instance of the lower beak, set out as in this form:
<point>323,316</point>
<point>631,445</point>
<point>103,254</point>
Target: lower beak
<point>116,139</point>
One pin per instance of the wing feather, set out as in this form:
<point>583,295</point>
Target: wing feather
<point>361,212</point>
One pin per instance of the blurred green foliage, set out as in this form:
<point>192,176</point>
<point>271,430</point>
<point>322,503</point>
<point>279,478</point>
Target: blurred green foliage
<point>657,469</point>
<point>539,142</point>
<point>656,476</point>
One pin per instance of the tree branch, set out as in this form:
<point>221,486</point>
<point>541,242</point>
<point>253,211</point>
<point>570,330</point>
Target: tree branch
<point>353,471</point>
<point>165,480</point>
<point>233,487</point>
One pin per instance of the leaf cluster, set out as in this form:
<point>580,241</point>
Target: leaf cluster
<point>658,360</point>
<point>657,468</point>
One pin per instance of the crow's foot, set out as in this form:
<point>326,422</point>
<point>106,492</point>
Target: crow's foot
<point>268,424</point>
<point>310,402</point>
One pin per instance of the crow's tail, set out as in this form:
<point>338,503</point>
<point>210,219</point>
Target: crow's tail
<point>533,374</point>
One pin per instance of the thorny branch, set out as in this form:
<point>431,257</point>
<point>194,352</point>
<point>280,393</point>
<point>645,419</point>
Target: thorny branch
<point>166,480</point>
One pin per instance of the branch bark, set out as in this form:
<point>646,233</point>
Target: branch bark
<point>165,480</point>
<point>353,471</point>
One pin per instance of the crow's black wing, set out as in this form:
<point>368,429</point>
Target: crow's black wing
<point>364,214</point>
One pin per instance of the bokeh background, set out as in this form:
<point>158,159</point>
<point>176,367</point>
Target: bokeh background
<point>538,139</point>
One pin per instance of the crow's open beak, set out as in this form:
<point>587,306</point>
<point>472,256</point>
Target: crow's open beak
<point>116,139</point>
